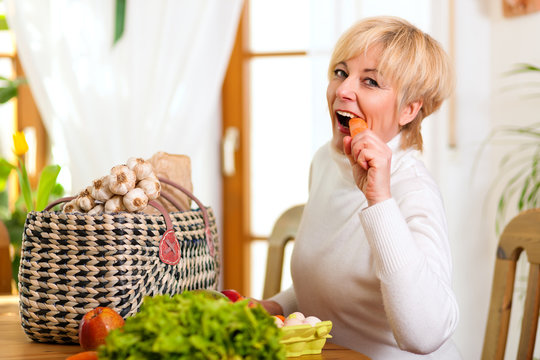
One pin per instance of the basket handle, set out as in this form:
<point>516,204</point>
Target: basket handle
<point>206,219</point>
<point>169,248</point>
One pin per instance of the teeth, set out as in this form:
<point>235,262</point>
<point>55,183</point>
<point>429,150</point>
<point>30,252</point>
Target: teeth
<point>347,114</point>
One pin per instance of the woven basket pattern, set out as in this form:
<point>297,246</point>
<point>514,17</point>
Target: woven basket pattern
<point>72,263</point>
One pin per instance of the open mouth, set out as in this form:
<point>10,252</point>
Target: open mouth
<point>343,117</point>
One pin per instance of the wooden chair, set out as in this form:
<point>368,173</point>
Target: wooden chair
<point>522,233</point>
<point>284,230</point>
<point>5,261</point>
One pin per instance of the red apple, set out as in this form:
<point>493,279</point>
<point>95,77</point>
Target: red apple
<point>96,325</point>
<point>233,295</point>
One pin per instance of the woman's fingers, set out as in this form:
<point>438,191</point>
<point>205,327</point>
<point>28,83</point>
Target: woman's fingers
<point>347,140</point>
<point>366,148</point>
<point>370,160</point>
<point>366,158</point>
<point>351,152</point>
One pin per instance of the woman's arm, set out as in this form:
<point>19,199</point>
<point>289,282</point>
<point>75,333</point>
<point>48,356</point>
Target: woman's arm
<point>272,307</point>
<point>283,303</point>
<point>413,262</point>
<point>405,224</point>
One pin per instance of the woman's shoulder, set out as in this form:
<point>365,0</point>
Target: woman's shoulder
<point>323,152</point>
<point>410,176</point>
<point>323,156</point>
<point>417,193</point>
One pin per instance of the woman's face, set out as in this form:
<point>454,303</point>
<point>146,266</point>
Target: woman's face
<point>358,90</point>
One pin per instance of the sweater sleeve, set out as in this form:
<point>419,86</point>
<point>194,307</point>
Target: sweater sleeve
<point>287,300</point>
<point>413,263</point>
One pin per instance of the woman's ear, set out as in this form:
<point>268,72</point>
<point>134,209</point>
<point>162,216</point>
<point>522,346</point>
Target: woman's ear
<point>409,112</point>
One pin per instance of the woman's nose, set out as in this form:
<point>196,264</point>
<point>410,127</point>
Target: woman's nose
<point>346,90</point>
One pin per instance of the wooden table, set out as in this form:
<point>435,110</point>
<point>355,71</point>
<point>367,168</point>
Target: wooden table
<point>14,344</point>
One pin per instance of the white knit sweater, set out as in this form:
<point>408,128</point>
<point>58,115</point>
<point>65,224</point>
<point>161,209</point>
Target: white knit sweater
<point>381,274</point>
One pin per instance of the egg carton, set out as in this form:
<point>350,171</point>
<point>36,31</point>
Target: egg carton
<point>305,339</point>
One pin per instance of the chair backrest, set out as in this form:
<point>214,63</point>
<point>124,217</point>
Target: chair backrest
<point>284,230</point>
<point>521,234</point>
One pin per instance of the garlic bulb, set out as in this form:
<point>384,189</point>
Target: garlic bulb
<point>135,200</point>
<point>115,204</point>
<point>121,180</point>
<point>129,187</point>
<point>71,206</point>
<point>141,167</point>
<point>100,189</point>
<point>85,201</point>
<point>151,187</point>
<point>98,209</point>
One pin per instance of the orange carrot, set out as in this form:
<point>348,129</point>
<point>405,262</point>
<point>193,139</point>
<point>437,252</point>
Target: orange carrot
<point>85,355</point>
<point>356,126</point>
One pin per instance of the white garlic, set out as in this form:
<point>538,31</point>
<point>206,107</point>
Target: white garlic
<point>151,187</point>
<point>85,201</point>
<point>121,180</point>
<point>71,206</point>
<point>141,167</point>
<point>100,189</point>
<point>135,200</point>
<point>98,209</point>
<point>115,204</point>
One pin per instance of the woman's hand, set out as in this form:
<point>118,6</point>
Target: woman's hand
<point>272,307</point>
<point>371,161</point>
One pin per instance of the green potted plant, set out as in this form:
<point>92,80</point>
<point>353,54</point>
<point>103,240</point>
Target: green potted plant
<point>29,199</point>
<point>14,216</point>
<point>519,168</point>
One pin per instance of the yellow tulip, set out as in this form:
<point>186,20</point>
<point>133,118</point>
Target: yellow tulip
<point>19,141</point>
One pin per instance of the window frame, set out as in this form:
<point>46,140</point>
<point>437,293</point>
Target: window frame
<point>236,233</point>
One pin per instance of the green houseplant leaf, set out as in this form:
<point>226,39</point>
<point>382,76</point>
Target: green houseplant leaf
<point>47,181</point>
<point>9,89</point>
<point>518,169</point>
<point>523,67</point>
<point>120,17</point>
<point>5,170</point>
<point>24,184</point>
<point>3,22</point>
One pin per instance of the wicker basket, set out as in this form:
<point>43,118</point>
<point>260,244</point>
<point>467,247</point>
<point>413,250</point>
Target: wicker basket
<point>74,262</point>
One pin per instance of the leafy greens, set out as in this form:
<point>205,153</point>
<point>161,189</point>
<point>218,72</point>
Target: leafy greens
<point>192,326</point>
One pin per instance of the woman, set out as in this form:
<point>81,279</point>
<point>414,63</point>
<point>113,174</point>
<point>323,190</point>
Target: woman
<point>372,252</point>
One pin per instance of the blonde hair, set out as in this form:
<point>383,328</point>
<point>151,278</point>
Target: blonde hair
<point>415,64</point>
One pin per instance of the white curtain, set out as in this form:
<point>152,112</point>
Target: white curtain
<point>157,89</point>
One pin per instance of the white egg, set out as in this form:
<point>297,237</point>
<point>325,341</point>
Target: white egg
<point>296,315</point>
<point>293,321</point>
<point>312,320</point>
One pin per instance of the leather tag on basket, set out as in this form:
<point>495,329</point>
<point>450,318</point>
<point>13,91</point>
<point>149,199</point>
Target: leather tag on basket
<point>169,248</point>
<point>176,168</point>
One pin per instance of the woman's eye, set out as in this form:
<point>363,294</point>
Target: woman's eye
<point>340,73</point>
<point>371,82</point>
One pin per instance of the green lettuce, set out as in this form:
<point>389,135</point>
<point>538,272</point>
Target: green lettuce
<point>193,326</point>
